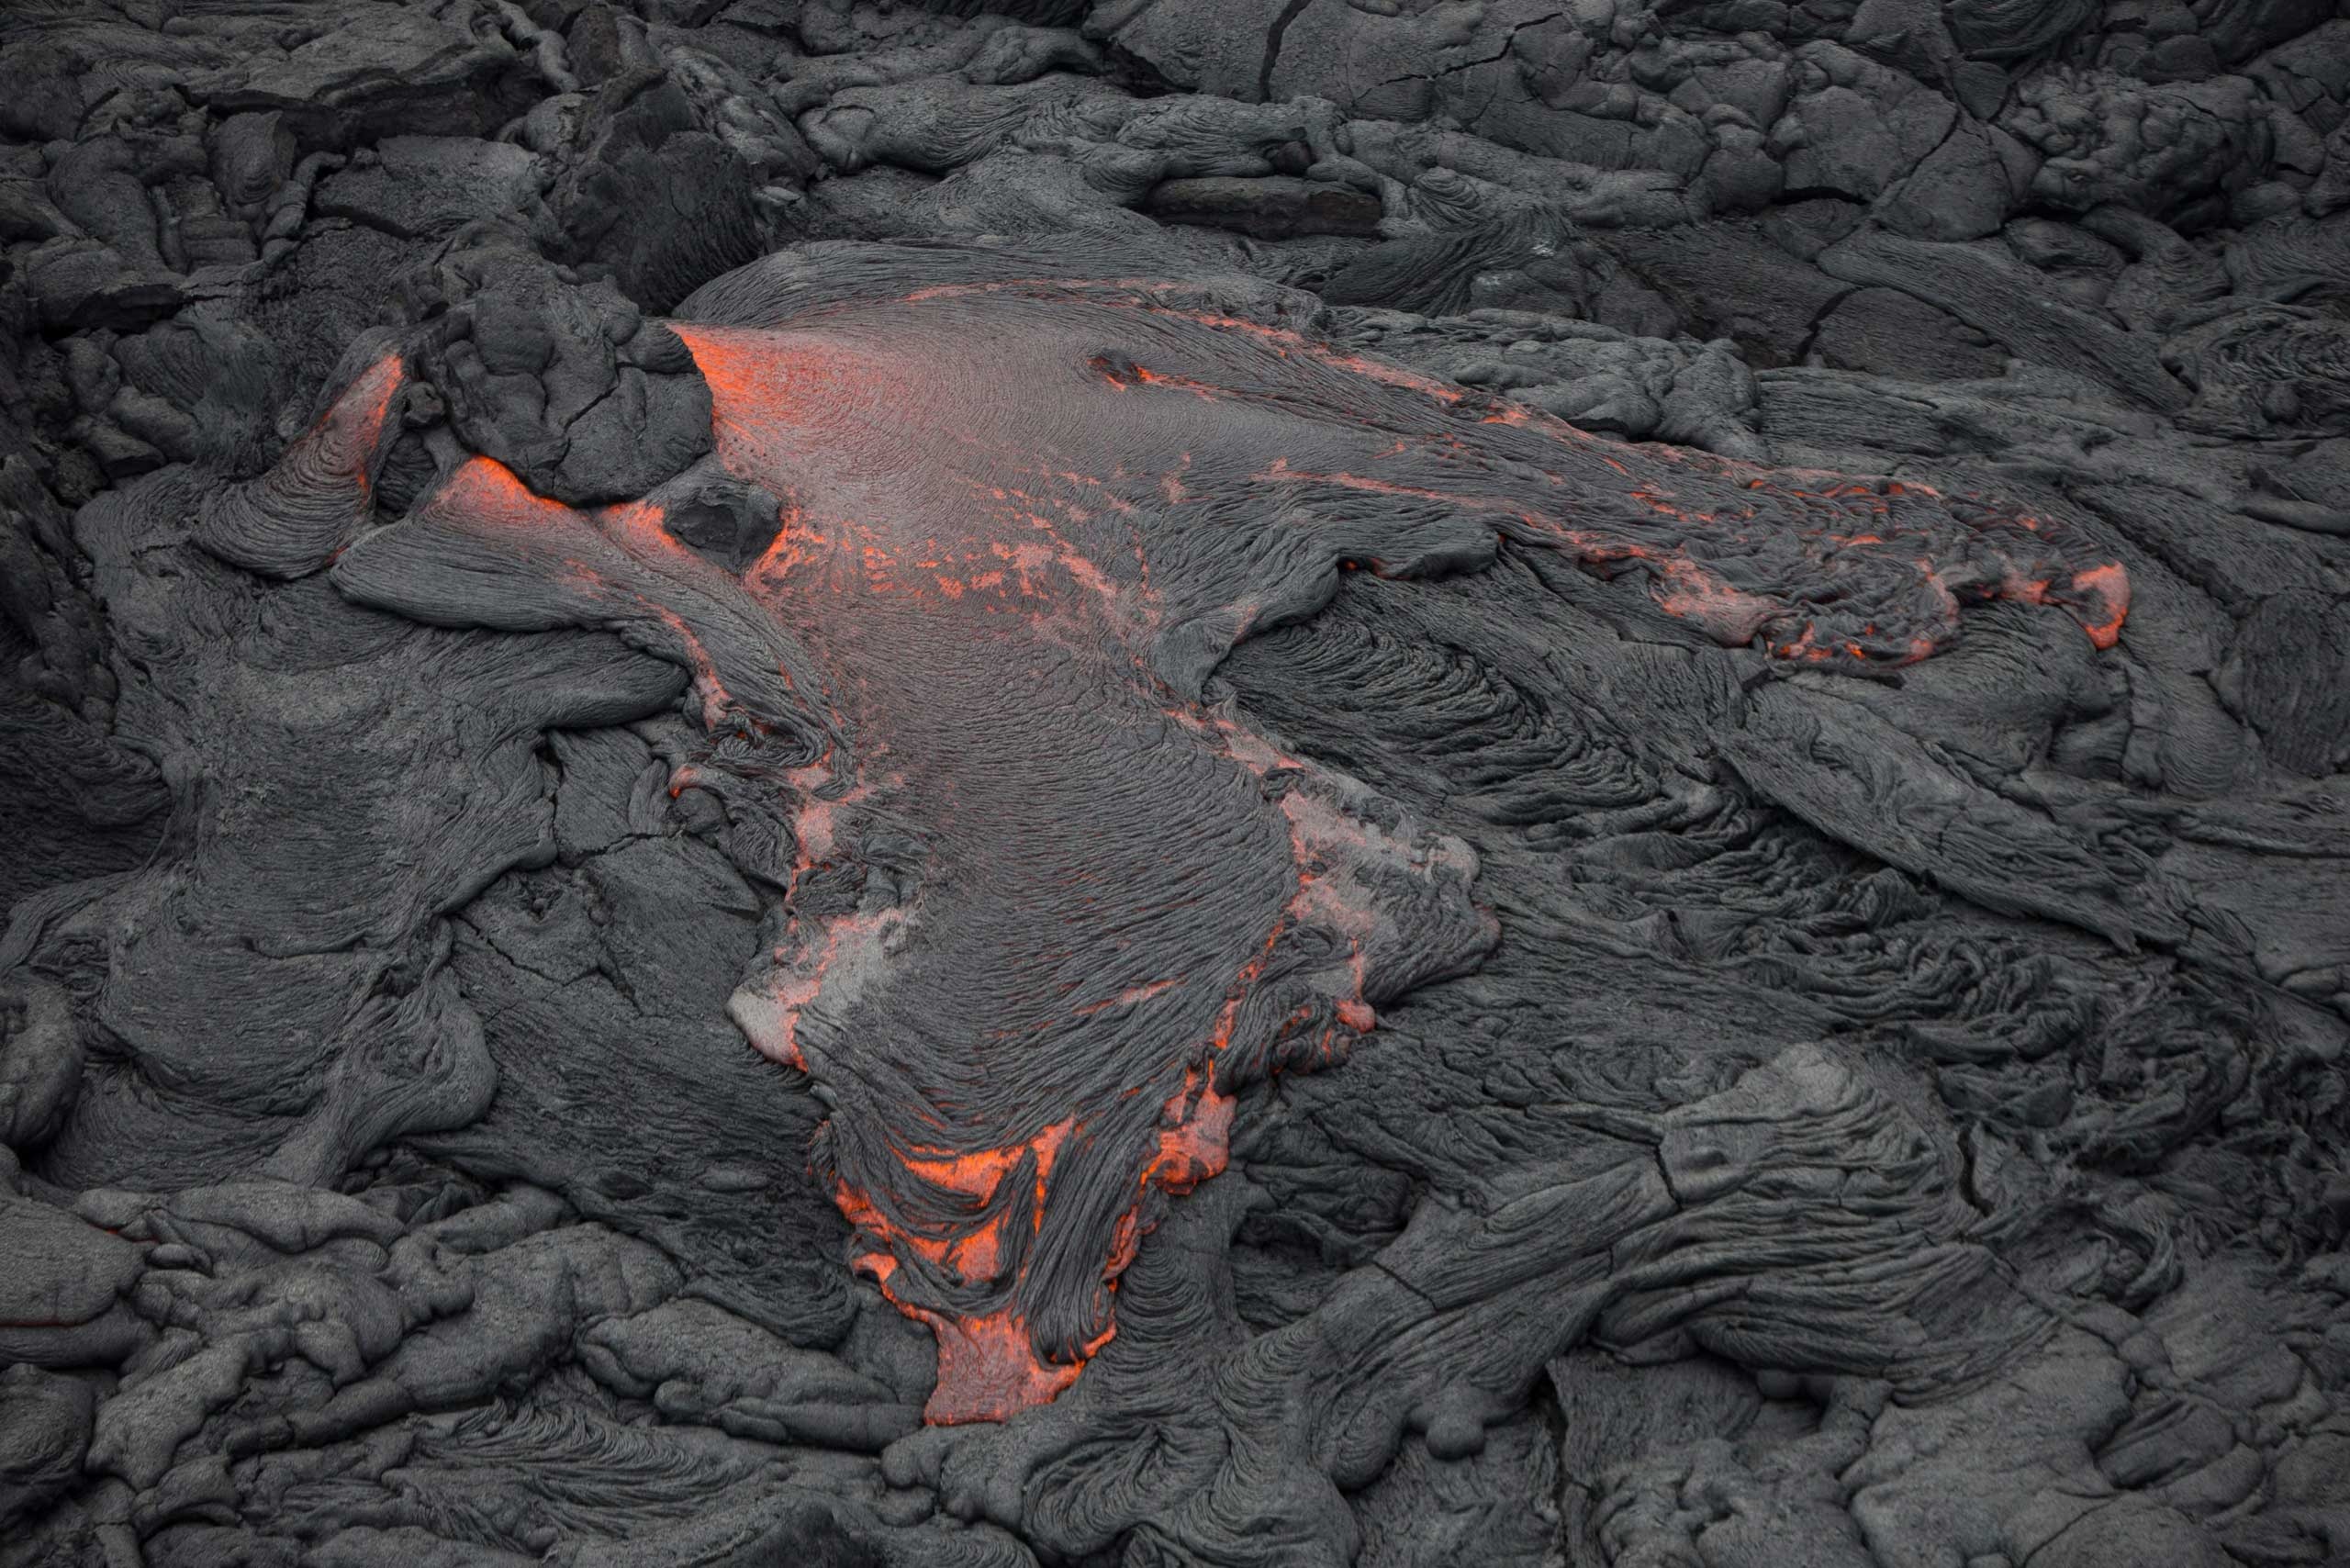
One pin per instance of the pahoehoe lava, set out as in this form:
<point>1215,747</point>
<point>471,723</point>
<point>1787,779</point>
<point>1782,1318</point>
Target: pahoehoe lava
<point>1048,909</point>
<point>1174,784</point>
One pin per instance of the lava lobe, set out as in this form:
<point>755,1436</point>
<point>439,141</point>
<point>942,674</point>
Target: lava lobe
<point>1047,904</point>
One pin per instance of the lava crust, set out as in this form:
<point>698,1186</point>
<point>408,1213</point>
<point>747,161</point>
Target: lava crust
<point>1048,906</point>
<point>1174,783</point>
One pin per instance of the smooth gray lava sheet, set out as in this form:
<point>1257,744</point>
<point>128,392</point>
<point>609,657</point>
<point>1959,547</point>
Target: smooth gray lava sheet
<point>1167,783</point>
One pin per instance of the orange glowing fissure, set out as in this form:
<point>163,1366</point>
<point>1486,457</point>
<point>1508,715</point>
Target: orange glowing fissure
<point>989,1367</point>
<point>988,1364</point>
<point>926,540</point>
<point>343,444</point>
<point>369,400</point>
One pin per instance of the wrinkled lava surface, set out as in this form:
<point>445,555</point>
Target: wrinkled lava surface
<point>1047,902</point>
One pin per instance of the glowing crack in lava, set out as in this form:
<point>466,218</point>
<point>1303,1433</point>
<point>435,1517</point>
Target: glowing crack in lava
<point>1045,907</point>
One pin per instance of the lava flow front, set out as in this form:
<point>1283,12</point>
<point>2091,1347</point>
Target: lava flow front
<point>1048,904</point>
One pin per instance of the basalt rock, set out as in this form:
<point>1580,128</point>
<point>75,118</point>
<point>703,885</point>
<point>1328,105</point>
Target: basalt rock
<point>1174,782</point>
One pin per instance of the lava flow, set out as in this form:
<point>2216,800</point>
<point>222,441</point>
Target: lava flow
<point>1049,905</point>
<point>1033,1032</point>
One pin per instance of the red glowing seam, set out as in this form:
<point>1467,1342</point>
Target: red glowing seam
<point>2103,632</point>
<point>987,1366</point>
<point>485,486</point>
<point>355,419</point>
<point>2108,585</point>
<point>487,491</point>
<point>2098,581</point>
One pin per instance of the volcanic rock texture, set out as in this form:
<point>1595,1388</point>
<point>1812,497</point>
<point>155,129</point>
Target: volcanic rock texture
<point>1175,782</point>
